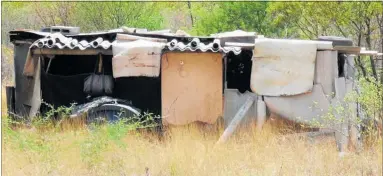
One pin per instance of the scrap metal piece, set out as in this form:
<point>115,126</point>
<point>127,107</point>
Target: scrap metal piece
<point>233,102</point>
<point>304,108</point>
<point>326,69</point>
<point>283,67</point>
<point>236,120</point>
<point>99,101</point>
<point>136,58</point>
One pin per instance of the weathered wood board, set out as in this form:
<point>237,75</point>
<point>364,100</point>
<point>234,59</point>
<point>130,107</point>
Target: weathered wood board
<point>191,87</point>
<point>283,67</point>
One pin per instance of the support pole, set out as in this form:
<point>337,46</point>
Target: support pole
<point>236,120</point>
<point>261,114</point>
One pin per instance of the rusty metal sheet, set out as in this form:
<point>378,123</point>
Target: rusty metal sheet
<point>136,58</point>
<point>283,67</point>
<point>302,108</point>
<point>233,102</point>
<point>191,87</point>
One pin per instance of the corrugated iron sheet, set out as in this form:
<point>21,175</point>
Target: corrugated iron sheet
<point>59,41</point>
<point>196,45</point>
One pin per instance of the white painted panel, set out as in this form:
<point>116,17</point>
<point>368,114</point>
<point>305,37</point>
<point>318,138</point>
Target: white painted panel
<point>136,58</point>
<point>283,67</point>
<point>326,69</point>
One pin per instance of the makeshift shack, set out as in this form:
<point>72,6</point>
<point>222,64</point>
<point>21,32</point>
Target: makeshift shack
<point>239,76</point>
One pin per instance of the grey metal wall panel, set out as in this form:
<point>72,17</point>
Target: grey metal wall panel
<point>302,108</point>
<point>283,67</point>
<point>233,102</point>
<point>23,84</point>
<point>326,69</point>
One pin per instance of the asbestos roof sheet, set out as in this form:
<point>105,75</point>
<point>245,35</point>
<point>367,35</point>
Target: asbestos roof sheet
<point>196,45</point>
<point>59,41</point>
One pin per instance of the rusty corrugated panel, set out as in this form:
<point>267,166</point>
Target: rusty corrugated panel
<point>191,87</point>
<point>136,58</point>
<point>283,67</point>
<point>303,108</point>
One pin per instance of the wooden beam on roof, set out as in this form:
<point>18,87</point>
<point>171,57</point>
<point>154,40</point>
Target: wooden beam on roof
<point>347,49</point>
<point>47,51</point>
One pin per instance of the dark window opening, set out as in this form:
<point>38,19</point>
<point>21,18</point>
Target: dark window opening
<point>66,65</point>
<point>64,83</point>
<point>55,30</point>
<point>46,30</point>
<point>65,31</point>
<point>341,61</point>
<point>238,70</point>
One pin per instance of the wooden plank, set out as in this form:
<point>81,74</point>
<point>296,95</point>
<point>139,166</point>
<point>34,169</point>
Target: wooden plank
<point>191,87</point>
<point>347,49</point>
<point>283,67</point>
<point>127,37</point>
<point>326,69</point>
<point>236,120</point>
<point>47,51</point>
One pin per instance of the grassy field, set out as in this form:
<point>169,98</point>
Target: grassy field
<point>121,150</point>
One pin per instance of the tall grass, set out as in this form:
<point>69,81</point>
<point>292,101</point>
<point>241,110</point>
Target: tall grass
<point>119,149</point>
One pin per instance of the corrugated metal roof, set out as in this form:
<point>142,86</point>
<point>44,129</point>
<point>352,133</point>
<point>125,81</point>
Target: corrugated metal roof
<point>196,45</point>
<point>59,41</point>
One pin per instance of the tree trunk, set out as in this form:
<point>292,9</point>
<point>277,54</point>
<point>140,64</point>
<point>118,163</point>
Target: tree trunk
<point>191,15</point>
<point>368,42</point>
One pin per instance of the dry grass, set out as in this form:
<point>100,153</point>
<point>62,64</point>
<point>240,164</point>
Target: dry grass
<point>183,151</point>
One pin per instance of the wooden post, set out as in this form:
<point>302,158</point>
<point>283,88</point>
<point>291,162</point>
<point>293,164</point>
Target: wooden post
<point>341,132</point>
<point>236,120</point>
<point>261,114</point>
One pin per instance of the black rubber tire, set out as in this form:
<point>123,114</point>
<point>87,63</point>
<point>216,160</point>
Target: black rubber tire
<point>336,41</point>
<point>94,114</point>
